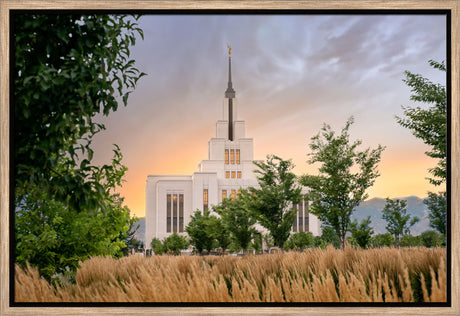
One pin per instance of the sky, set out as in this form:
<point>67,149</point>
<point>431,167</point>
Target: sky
<point>291,74</point>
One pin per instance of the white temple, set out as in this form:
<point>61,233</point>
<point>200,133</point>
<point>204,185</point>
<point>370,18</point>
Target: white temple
<point>172,199</point>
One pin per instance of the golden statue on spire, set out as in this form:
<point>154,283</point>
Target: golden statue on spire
<point>229,50</point>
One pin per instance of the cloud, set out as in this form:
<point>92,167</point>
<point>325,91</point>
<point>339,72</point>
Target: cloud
<point>291,73</point>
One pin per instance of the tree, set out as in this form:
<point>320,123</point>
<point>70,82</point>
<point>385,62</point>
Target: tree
<point>299,241</point>
<point>411,241</point>
<point>133,245</point>
<point>329,236</point>
<point>174,243</point>
<point>129,236</point>
<point>362,232</point>
<point>437,205</point>
<point>395,213</point>
<point>337,191</point>
<point>431,238</point>
<point>381,240</point>
<point>430,125</point>
<point>272,204</point>
<point>157,246</point>
<point>237,220</point>
<point>268,240</point>
<point>55,237</point>
<point>219,231</point>
<point>67,69</point>
<point>201,231</point>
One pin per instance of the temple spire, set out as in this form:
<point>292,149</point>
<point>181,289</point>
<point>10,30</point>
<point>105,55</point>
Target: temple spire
<point>230,93</point>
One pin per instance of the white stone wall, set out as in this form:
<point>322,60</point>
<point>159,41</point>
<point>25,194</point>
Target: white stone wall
<point>157,188</point>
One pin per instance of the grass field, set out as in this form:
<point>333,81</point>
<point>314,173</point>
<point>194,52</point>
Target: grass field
<point>317,275</point>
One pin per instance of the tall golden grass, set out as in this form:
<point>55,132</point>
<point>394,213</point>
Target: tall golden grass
<point>319,275</point>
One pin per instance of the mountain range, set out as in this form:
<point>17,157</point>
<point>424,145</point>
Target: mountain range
<point>372,208</point>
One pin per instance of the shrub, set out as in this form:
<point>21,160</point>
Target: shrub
<point>411,241</point>
<point>174,243</point>
<point>157,246</point>
<point>299,241</point>
<point>381,240</point>
<point>431,238</point>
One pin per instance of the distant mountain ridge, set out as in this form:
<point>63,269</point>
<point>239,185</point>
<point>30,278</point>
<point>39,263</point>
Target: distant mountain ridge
<point>372,207</point>
<point>140,233</point>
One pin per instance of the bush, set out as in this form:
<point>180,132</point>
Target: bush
<point>157,246</point>
<point>431,239</point>
<point>411,241</point>
<point>362,232</point>
<point>382,240</point>
<point>329,236</point>
<point>174,243</point>
<point>299,241</point>
<point>202,231</point>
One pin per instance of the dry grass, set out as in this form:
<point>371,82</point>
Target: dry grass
<point>328,275</point>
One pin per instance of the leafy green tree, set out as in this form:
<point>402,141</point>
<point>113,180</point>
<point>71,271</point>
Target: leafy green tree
<point>437,205</point>
<point>272,204</point>
<point>381,240</point>
<point>157,246</point>
<point>431,238</point>
<point>338,190</point>
<point>411,241</point>
<point>398,224</point>
<point>237,220</point>
<point>201,231</point>
<point>268,240</point>
<point>256,243</point>
<point>55,237</point>
<point>174,243</point>
<point>67,69</point>
<point>219,231</point>
<point>319,242</point>
<point>299,241</point>
<point>362,232</point>
<point>430,125</point>
<point>329,236</point>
